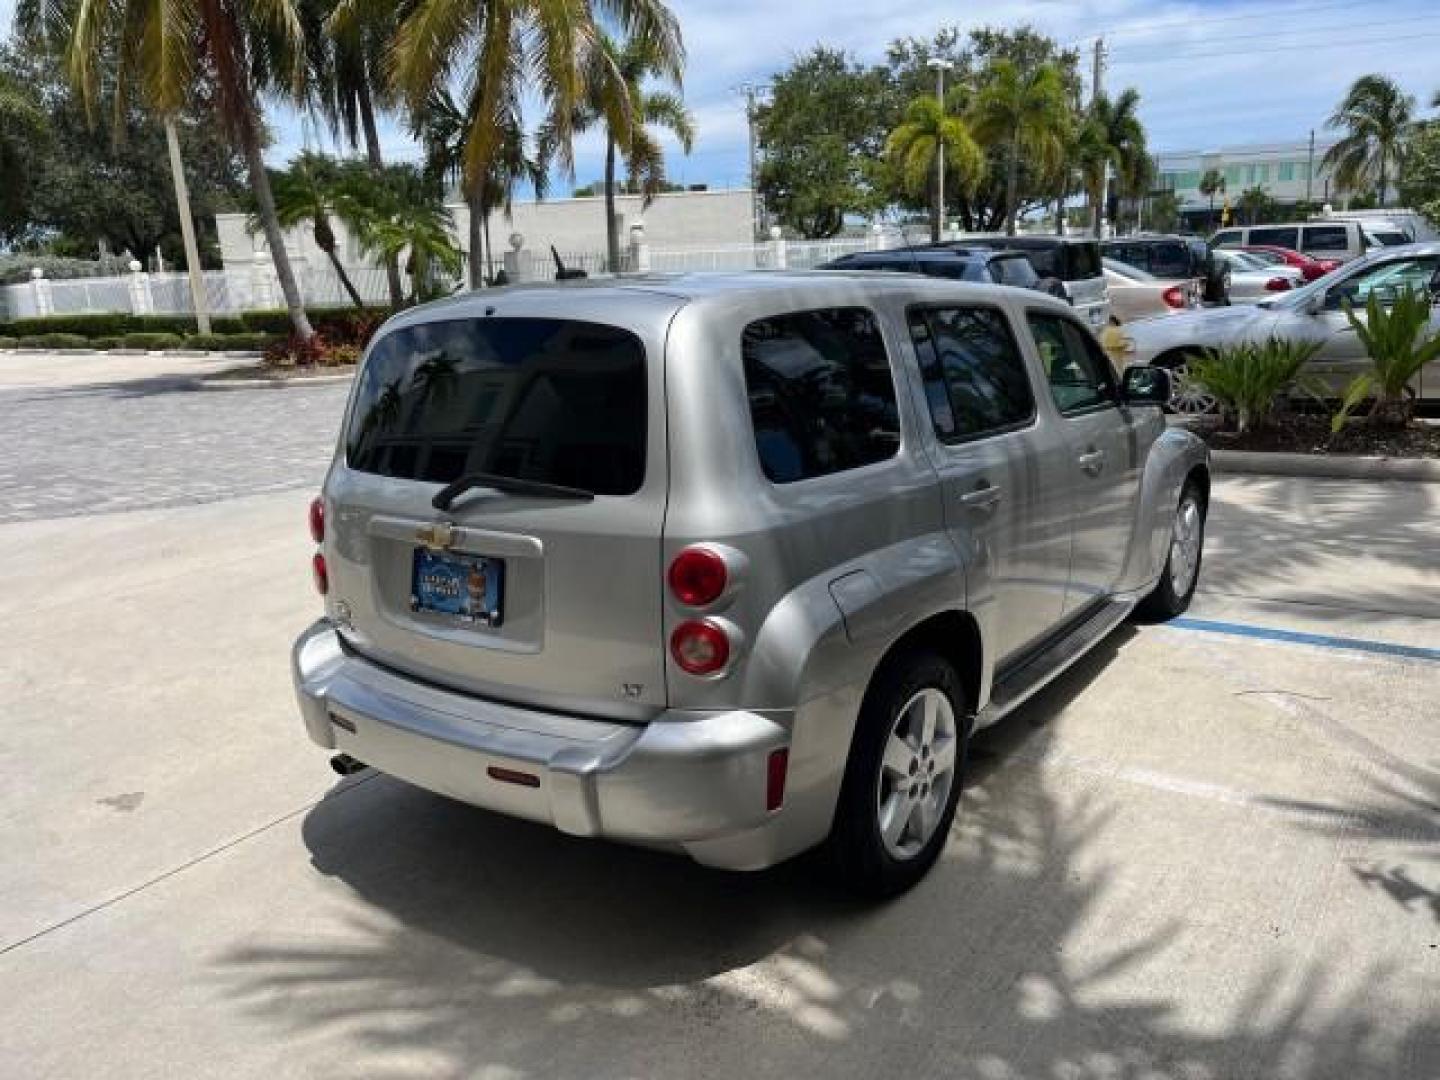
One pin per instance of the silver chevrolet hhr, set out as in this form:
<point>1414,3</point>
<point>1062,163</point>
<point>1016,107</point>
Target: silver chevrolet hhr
<point>732,564</point>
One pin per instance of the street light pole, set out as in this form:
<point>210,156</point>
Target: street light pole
<point>940,65</point>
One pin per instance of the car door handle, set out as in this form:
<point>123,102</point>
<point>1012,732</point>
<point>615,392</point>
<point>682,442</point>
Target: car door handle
<point>1092,461</point>
<point>983,497</point>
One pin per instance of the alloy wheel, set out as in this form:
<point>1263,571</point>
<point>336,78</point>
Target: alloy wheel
<point>916,773</point>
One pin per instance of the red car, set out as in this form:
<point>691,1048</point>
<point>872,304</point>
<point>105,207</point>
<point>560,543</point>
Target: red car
<point>1311,268</point>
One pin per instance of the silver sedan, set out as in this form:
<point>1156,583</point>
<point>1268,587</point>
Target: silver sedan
<point>1314,312</point>
<point>1253,280</point>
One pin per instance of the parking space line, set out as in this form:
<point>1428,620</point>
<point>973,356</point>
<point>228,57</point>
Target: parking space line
<point>1300,637</point>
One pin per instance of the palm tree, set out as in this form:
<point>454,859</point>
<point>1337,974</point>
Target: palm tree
<point>1114,141</point>
<point>312,191</point>
<point>913,146</point>
<point>441,129</point>
<point>1376,116</point>
<point>507,45</point>
<point>160,50</point>
<point>404,217</point>
<point>1212,184</point>
<point>616,98</point>
<point>1023,110</point>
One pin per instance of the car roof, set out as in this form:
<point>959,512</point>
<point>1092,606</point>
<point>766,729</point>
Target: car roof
<point>1020,243</point>
<point>925,254</point>
<point>603,299</point>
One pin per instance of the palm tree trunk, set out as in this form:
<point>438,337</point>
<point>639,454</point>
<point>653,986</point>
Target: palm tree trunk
<point>612,236</point>
<point>265,206</point>
<point>1012,176</point>
<point>476,256</point>
<point>345,281</point>
<point>377,166</point>
<point>489,251</point>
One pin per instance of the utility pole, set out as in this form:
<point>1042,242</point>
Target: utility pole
<point>940,66</point>
<point>1310,170</point>
<point>751,92</point>
<point>1097,86</point>
<point>187,229</point>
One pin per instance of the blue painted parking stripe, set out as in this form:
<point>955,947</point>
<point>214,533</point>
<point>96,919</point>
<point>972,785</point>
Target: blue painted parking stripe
<point>1298,637</point>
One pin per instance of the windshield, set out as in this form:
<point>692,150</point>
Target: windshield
<point>1387,237</point>
<point>1240,260</point>
<point>1125,270</point>
<point>554,401</point>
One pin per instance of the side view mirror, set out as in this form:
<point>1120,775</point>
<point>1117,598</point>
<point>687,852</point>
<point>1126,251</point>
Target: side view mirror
<point>1142,384</point>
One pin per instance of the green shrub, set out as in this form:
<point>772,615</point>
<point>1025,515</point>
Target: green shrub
<point>104,343</point>
<point>1397,345</point>
<point>238,342</point>
<point>116,324</point>
<point>7,342</point>
<point>151,341</point>
<point>336,322</point>
<point>1247,379</point>
<point>62,341</point>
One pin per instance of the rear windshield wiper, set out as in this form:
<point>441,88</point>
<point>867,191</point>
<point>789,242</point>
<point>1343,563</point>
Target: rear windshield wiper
<point>511,485</point>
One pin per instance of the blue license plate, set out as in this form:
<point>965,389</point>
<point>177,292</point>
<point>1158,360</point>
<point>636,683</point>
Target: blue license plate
<point>470,588</point>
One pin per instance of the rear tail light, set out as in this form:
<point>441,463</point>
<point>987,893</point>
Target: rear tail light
<point>1277,284</point>
<point>776,766</point>
<point>321,572</point>
<point>317,520</point>
<point>697,577</point>
<point>700,647</point>
<point>1174,297</point>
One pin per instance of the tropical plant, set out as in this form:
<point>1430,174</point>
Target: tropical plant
<point>404,218</point>
<point>22,124</point>
<point>913,152</point>
<point>159,53</point>
<point>1164,212</point>
<point>1212,184</point>
<point>1112,140</point>
<point>1375,115</point>
<point>1246,379</point>
<point>1023,110</point>
<point>1256,204</point>
<point>616,99</point>
<point>511,48</point>
<point>313,190</point>
<point>1420,173</point>
<point>1393,333</point>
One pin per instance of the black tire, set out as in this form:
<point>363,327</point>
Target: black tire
<point>1166,601</point>
<point>856,846</point>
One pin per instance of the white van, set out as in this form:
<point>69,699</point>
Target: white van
<point>1338,240</point>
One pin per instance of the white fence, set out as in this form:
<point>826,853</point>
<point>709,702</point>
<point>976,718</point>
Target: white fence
<point>255,287</point>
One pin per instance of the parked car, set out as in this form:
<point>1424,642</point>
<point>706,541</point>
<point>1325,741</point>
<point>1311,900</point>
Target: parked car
<point>1176,258</point>
<point>1134,294</point>
<point>1339,241</point>
<point>1309,268</point>
<point>1315,312</point>
<point>1074,261</point>
<point>731,564</point>
<point>960,264</point>
<point>1252,279</point>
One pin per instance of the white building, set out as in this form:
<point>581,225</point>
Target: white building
<point>1288,172</point>
<point>576,228</point>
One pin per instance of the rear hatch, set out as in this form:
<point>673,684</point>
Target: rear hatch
<point>540,582</point>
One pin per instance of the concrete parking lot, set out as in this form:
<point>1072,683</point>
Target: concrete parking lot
<point>1212,850</point>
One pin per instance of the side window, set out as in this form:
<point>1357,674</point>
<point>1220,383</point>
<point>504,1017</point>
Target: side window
<point>1325,238</point>
<point>1226,238</point>
<point>822,398</point>
<point>1170,260</point>
<point>1386,282</point>
<point>1286,238</point>
<point>974,374</point>
<point>1078,371</point>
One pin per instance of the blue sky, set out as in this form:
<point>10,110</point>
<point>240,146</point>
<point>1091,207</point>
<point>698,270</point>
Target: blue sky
<point>1209,73</point>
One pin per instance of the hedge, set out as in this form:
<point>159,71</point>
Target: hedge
<point>8,342</point>
<point>54,341</point>
<point>118,323</point>
<point>230,342</point>
<point>151,341</point>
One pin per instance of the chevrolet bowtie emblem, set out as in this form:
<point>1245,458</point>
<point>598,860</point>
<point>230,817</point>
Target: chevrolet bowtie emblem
<point>438,536</point>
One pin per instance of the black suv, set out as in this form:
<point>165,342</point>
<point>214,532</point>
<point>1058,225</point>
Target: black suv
<point>1174,257</point>
<point>962,264</point>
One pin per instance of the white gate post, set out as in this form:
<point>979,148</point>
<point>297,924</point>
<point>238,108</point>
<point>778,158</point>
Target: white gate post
<point>44,298</point>
<point>779,259</point>
<point>142,301</point>
<point>513,274</point>
<point>262,295</point>
<point>639,249</point>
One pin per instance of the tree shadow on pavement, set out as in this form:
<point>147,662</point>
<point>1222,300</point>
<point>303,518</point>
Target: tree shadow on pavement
<point>477,943</point>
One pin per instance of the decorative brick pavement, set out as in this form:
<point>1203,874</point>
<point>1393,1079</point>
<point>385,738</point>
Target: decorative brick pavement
<point>100,449</point>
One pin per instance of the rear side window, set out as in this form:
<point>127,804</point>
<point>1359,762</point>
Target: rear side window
<point>822,398</point>
<point>1286,238</point>
<point>1326,238</point>
<point>553,400</point>
<point>974,375</point>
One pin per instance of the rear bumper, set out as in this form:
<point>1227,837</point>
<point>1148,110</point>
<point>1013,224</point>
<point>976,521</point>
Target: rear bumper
<point>686,779</point>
